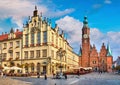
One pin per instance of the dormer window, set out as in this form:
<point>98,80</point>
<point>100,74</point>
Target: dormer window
<point>5,45</point>
<point>11,44</point>
<point>17,44</point>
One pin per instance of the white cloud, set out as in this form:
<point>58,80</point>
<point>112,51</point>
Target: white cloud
<point>107,2</point>
<point>19,9</point>
<point>73,27</point>
<point>96,6</point>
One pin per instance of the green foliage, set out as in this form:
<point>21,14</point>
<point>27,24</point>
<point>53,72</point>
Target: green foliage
<point>117,67</point>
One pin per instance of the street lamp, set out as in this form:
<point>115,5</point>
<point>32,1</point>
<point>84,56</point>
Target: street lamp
<point>61,53</point>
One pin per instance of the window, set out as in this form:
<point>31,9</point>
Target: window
<point>11,54</point>
<point>37,53</point>
<point>52,53</point>
<point>26,39</point>
<point>32,38</point>
<point>11,44</point>
<point>44,53</point>
<point>4,56</point>
<point>31,54</point>
<point>26,54</point>
<point>103,61</point>
<point>17,54</point>
<point>38,38</point>
<point>94,62</point>
<point>44,37</point>
<point>17,44</point>
<point>5,45</point>
<point>32,67</point>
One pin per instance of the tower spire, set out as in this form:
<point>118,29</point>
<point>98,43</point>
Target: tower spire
<point>85,22</point>
<point>109,52</point>
<point>35,7</point>
<point>80,51</point>
<point>35,13</point>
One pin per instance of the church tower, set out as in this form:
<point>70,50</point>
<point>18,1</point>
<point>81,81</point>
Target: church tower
<point>85,43</point>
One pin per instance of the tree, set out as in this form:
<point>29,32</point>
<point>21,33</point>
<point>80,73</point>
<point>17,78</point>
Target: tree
<point>117,67</point>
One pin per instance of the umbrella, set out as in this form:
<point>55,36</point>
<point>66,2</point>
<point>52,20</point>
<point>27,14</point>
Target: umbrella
<point>6,68</point>
<point>15,68</point>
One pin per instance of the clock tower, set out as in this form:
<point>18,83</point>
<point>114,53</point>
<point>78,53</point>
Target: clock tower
<point>85,44</point>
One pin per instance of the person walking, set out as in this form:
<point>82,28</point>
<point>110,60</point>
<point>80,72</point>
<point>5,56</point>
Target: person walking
<point>38,75</point>
<point>45,77</point>
<point>65,76</point>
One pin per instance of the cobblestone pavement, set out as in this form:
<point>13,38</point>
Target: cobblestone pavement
<point>9,81</point>
<point>88,79</point>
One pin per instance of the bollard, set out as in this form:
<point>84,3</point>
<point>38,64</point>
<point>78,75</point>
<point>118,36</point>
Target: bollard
<point>55,83</point>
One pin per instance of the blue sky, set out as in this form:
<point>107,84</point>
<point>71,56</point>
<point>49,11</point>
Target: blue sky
<point>103,17</point>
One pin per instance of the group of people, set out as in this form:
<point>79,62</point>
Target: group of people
<point>3,74</point>
<point>59,76</point>
<point>55,76</point>
<point>38,75</point>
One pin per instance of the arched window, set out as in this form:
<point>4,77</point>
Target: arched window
<point>38,38</point>
<point>32,38</point>
<point>26,39</point>
<point>32,67</point>
<point>45,36</point>
<point>26,68</point>
<point>38,67</point>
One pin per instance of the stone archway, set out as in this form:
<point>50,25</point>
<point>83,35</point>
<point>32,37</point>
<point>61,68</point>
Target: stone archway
<point>26,68</point>
<point>38,67</point>
<point>32,67</point>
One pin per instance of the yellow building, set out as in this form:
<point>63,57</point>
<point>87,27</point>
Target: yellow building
<point>36,48</point>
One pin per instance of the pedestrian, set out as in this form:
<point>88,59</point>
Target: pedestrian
<point>65,76</point>
<point>1,74</point>
<point>38,75</point>
<point>45,77</point>
<point>78,73</point>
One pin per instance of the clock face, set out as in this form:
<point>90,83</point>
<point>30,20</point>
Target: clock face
<point>85,36</point>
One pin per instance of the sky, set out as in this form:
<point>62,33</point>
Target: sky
<point>103,19</point>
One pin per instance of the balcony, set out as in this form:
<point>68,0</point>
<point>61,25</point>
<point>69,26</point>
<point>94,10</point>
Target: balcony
<point>10,59</point>
<point>25,46</point>
<point>17,46</point>
<point>38,44</point>
<point>17,58</point>
<point>31,45</point>
<point>10,50</point>
<point>44,43</point>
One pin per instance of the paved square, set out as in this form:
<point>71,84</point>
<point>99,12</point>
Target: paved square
<point>88,79</point>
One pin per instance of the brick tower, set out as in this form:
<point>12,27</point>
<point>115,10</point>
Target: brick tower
<point>85,44</point>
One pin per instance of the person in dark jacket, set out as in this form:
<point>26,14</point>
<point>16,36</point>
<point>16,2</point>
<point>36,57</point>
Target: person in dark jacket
<point>45,77</point>
<point>38,75</point>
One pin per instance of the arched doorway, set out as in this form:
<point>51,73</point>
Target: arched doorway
<point>26,68</point>
<point>32,67</point>
<point>38,67</point>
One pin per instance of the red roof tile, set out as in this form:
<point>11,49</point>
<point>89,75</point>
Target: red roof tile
<point>3,37</point>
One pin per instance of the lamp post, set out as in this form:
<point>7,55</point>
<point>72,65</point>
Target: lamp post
<point>61,53</point>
